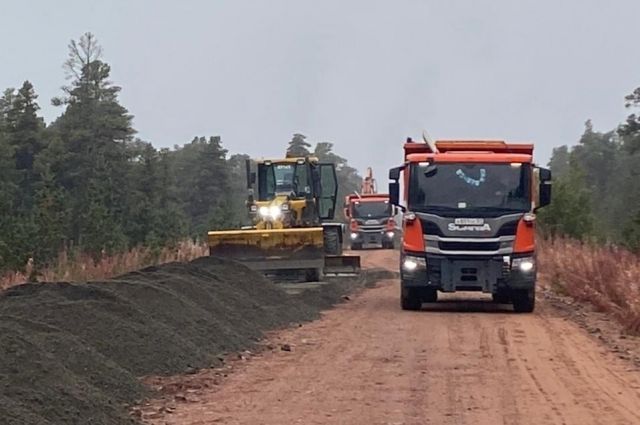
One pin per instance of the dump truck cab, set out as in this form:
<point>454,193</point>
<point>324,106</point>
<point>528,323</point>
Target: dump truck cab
<point>371,220</point>
<point>469,220</point>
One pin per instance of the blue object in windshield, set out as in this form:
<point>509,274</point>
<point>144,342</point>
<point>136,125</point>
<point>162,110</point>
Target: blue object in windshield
<point>470,180</point>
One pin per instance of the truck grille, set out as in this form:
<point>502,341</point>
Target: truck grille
<point>469,246</point>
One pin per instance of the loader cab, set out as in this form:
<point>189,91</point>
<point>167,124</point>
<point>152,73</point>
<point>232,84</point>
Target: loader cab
<point>303,181</point>
<point>289,178</point>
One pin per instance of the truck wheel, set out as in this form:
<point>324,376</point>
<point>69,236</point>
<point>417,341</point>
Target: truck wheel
<point>332,242</point>
<point>500,297</point>
<point>430,295</point>
<point>409,299</point>
<point>524,300</point>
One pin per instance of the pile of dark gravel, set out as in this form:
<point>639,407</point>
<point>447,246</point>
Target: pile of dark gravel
<point>73,353</point>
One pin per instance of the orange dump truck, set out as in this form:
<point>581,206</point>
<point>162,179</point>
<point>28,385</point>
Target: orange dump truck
<point>469,220</point>
<point>371,220</point>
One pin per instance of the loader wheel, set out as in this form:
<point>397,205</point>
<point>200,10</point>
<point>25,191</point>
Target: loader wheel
<point>524,300</point>
<point>332,242</point>
<point>312,275</point>
<point>410,299</point>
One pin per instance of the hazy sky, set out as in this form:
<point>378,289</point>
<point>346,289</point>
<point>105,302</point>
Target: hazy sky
<point>362,74</point>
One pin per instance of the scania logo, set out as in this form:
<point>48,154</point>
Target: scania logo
<point>482,228</point>
<point>469,225</point>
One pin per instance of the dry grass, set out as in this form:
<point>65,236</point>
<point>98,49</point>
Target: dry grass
<point>608,277</point>
<point>83,268</point>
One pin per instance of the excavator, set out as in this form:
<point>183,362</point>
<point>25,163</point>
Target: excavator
<point>291,204</point>
<point>370,216</point>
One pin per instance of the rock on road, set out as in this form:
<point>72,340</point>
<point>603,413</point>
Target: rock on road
<point>470,362</point>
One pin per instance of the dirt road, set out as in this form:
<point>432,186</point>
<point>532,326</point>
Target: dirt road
<point>368,362</point>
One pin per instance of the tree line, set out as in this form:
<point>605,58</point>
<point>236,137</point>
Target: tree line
<point>85,183</point>
<point>597,185</point>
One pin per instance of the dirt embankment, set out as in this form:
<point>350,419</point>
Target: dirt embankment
<point>74,353</point>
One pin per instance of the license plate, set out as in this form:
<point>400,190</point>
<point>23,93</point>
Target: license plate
<point>469,221</point>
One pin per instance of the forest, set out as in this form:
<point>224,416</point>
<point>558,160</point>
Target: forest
<point>596,185</point>
<point>85,184</point>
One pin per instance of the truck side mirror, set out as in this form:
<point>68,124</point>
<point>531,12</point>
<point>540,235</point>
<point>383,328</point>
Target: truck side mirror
<point>544,191</point>
<point>394,193</point>
<point>394,173</point>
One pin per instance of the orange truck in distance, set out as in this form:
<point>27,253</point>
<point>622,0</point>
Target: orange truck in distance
<point>371,220</point>
<point>469,219</point>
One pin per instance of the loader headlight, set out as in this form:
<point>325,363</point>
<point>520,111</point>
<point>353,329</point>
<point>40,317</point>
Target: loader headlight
<point>413,263</point>
<point>274,211</point>
<point>525,264</point>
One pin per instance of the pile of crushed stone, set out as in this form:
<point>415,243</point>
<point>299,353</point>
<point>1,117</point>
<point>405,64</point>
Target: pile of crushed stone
<point>74,353</point>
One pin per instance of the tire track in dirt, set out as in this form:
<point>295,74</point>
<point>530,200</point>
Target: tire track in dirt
<point>469,362</point>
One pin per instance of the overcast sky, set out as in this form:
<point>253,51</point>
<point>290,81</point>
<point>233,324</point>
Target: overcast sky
<point>361,74</point>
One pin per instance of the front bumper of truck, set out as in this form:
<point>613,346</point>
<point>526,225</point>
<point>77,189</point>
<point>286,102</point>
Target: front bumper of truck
<point>489,274</point>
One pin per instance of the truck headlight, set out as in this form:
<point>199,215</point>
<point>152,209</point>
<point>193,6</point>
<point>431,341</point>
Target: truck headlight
<point>354,236</point>
<point>413,263</point>
<point>525,264</point>
<point>390,235</point>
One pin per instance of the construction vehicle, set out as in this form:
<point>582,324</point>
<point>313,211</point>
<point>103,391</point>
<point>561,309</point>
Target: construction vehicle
<point>370,216</point>
<point>469,219</point>
<point>291,209</point>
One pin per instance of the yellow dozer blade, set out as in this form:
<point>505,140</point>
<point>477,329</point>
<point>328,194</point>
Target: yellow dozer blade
<point>271,249</point>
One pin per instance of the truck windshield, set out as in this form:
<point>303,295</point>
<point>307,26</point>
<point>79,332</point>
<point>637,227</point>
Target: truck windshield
<point>282,179</point>
<point>466,189</point>
<point>371,210</point>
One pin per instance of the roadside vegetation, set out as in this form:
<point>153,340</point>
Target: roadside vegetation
<point>606,276</point>
<point>591,245</point>
<point>83,198</point>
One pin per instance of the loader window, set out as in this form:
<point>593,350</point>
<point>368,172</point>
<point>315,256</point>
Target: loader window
<point>328,191</point>
<point>282,179</point>
<point>461,189</point>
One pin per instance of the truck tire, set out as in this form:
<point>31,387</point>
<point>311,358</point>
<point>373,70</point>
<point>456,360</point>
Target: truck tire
<point>430,295</point>
<point>410,299</point>
<point>332,244</point>
<point>500,297</point>
<point>524,300</point>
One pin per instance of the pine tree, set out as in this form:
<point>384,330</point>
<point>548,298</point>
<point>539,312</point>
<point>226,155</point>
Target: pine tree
<point>95,129</point>
<point>298,146</point>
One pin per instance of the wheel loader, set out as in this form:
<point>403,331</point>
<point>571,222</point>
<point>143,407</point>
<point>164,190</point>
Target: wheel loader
<point>291,204</point>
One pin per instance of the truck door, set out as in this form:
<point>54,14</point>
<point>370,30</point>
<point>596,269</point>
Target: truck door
<point>328,193</point>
